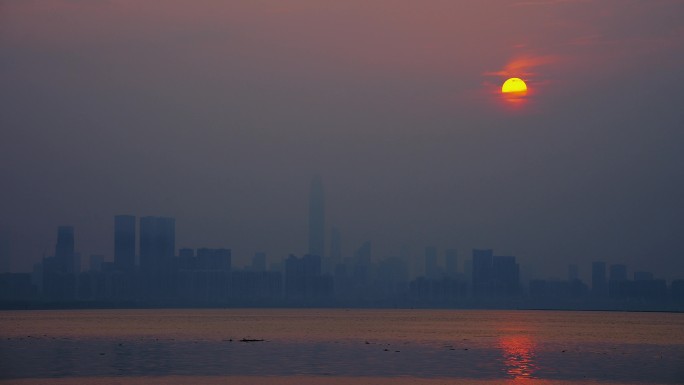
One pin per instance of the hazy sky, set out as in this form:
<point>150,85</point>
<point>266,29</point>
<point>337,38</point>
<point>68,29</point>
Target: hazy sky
<point>219,113</point>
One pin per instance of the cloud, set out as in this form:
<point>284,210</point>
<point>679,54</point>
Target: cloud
<point>524,66</point>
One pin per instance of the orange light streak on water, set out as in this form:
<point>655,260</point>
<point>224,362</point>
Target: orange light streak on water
<point>518,354</point>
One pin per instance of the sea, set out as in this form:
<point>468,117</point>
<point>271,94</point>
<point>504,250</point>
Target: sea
<point>340,346</point>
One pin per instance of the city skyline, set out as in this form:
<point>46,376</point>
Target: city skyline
<point>157,239</point>
<point>162,275</point>
<point>156,242</point>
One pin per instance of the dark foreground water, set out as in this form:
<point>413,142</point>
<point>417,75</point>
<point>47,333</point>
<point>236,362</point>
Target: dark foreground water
<point>340,346</point>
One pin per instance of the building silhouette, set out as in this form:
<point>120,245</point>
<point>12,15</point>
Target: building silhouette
<point>618,272</point>
<point>335,257</point>
<point>497,276</point>
<point>157,243</point>
<point>304,278</point>
<point>124,242</point>
<point>451,263</point>
<point>431,269</point>
<point>316,218</point>
<point>65,255</point>
<point>214,272</point>
<point>157,249</point>
<point>259,261</point>
<point>59,271</point>
<point>206,277</point>
<point>599,284</point>
<point>505,276</point>
<point>362,255</point>
<point>214,259</point>
<point>482,274</point>
<point>96,262</point>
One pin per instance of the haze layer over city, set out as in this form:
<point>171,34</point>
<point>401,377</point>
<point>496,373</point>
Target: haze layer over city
<point>220,114</point>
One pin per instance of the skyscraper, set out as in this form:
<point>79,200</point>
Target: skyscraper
<point>316,218</point>
<point>431,270</point>
<point>65,254</point>
<point>303,277</point>
<point>505,275</point>
<point>618,272</point>
<point>335,248</point>
<point>495,275</point>
<point>482,271</point>
<point>214,259</point>
<point>157,243</point>
<point>124,242</point>
<point>599,285</point>
<point>451,262</point>
<point>259,261</point>
<point>362,256</point>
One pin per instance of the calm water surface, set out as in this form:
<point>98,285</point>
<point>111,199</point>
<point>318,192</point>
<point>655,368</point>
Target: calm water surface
<point>340,346</point>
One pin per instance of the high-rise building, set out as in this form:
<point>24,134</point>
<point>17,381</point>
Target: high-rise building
<point>413,265</point>
<point>505,275</point>
<point>431,270</point>
<point>316,218</point>
<point>259,261</point>
<point>482,271</point>
<point>451,263</point>
<point>65,255</point>
<point>495,275</point>
<point>157,243</point>
<point>618,272</point>
<point>468,270</point>
<point>60,271</point>
<point>187,260</point>
<point>214,259</point>
<point>303,277</point>
<point>362,264</point>
<point>335,248</point>
<point>124,242</point>
<point>96,262</point>
<point>599,284</point>
<point>362,256</point>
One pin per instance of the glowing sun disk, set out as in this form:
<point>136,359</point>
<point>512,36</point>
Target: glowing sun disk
<point>514,85</point>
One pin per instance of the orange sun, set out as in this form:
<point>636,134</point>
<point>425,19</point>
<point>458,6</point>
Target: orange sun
<point>514,86</point>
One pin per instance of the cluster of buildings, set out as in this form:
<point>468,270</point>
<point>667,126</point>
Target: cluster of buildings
<point>610,284</point>
<point>148,270</point>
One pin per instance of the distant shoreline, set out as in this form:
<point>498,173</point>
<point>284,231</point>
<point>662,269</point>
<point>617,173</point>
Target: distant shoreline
<point>122,305</point>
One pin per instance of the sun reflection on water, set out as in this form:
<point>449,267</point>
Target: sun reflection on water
<point>518,356</point>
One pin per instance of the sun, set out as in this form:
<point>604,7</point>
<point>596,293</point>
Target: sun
<point>514,85</point>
